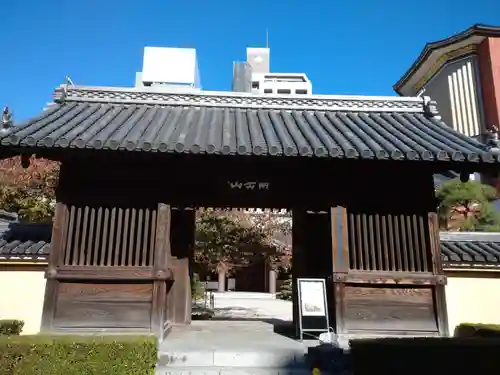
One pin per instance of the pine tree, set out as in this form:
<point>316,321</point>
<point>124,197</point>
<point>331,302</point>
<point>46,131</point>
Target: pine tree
<point>285,292</point>
<point>467,206</point>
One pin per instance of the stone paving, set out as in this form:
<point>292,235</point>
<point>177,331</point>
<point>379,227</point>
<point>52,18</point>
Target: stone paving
<point>241,305</point>
<point>240,341</point>
<point>243,339</point>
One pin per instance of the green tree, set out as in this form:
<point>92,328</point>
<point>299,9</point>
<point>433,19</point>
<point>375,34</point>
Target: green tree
<point>286,292</point>
<point>30,191</point>
<point>217,242</point>
<point>268,226</point>
<point>467,206</point>
<point>226,240</point>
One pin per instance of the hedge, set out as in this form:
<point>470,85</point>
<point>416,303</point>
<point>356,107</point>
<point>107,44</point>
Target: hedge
<point>430,356</point>
<point>78,355</point>
<point>477,330</point>
<point>11,327</point>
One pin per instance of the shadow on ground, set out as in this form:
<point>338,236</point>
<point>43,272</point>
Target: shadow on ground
<point>280,326</point>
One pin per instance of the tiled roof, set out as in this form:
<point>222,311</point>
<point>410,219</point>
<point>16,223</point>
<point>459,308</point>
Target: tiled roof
<point>471,36</point>
<point>474,250</point>
<point>20,241</point>
<point>441,178</point>
<point>354,127</point>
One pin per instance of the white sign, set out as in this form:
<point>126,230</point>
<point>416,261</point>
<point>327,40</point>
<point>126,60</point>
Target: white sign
<point>249,185</point>
<point>312,297</point>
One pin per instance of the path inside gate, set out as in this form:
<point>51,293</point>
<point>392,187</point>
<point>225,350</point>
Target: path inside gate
<point>249,335</point>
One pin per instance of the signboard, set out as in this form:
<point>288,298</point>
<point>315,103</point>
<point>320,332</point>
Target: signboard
<point>313,306</point>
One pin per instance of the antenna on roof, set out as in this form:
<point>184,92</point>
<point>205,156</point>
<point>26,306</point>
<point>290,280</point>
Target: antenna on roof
<point>6,118</point>
<point>267,38</point>
<point>69,81</point>
<point>421,92</point>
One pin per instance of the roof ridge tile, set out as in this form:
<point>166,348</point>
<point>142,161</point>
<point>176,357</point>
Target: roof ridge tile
<point>192,97</point>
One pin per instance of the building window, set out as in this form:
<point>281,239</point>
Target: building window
<point>284,91</point>
<point>255,84</point>
<point>268,91</point>
<point>301,91</point>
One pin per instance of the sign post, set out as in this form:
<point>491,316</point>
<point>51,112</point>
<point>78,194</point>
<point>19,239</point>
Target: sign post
<point>313,306</point>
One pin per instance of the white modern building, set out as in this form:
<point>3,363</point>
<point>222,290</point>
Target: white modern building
<point>173,67</point>
<point>254,75</point>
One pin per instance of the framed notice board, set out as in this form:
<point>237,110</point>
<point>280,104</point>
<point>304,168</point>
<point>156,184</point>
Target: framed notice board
<point>313,306</point>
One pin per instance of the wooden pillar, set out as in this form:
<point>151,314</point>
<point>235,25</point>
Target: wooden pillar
<point>437,269</point>
<point>56,253</point>
<point>272,281</point>
<point>221,286</point>
<point>159,322</point>
<point>340,266</point>
<point>179,301</point>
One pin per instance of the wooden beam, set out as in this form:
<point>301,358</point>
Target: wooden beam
<point>56,253</point>
<point>340,308</point>
<point>437,262</point>
<point>161,255</point>
<point>109,273</point>
<point>441,309</point>
<point>340,239</point>
<point>340,266</point>
<point>389,277</point>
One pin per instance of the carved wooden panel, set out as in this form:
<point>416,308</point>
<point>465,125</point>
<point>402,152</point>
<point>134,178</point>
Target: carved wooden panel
<point>107,292</point>
<point>389,309</point>
<point>103,305</point>
<point>99,315</point>
<point>389,242</point>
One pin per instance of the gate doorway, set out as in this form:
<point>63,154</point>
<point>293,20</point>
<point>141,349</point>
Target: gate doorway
<point>253,255</point>
<point>136,163</point>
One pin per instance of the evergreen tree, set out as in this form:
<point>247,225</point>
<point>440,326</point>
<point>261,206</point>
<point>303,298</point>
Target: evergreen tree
<point>467,206</point>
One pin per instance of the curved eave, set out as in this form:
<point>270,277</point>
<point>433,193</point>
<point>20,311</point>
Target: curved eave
<point>478,30</point>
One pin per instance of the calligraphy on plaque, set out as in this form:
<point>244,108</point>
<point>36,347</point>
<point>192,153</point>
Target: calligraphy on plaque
<point>249,185</point>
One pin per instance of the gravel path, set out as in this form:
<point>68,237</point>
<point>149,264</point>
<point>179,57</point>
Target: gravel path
<point>241,305</point>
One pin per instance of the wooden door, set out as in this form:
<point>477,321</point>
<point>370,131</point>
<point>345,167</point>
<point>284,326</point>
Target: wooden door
<point>386,274</point>
<point>107,270</point>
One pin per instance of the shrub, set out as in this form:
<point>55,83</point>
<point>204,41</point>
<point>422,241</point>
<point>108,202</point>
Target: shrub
<point>477,330</point>
<point>430,356</point>
<point>285,292</point>
<point>197,289</point>
<point>201,313</point>
<point>74,355</point>
<point>11,327</point>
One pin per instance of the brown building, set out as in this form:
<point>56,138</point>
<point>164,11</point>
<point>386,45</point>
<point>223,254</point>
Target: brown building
<point>462,74</point>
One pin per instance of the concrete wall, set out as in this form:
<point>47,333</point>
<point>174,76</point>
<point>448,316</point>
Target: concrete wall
<point>22,290</point>
<point>473,297</point>
<point>456,91</point>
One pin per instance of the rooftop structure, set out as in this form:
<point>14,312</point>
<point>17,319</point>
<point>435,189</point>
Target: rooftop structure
<point>255,76</point>
<point>166,66</point>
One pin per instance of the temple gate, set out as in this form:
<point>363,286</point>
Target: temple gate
<point>356,172</point>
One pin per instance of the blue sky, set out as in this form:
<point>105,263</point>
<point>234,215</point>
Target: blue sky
<point>346,47</point>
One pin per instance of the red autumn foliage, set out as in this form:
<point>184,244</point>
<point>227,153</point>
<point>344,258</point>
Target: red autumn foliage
<point>28,191</point>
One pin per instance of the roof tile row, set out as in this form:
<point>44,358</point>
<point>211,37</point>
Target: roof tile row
<point>101,121</point>
<point>32,241</point>
<point>24,241</point>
